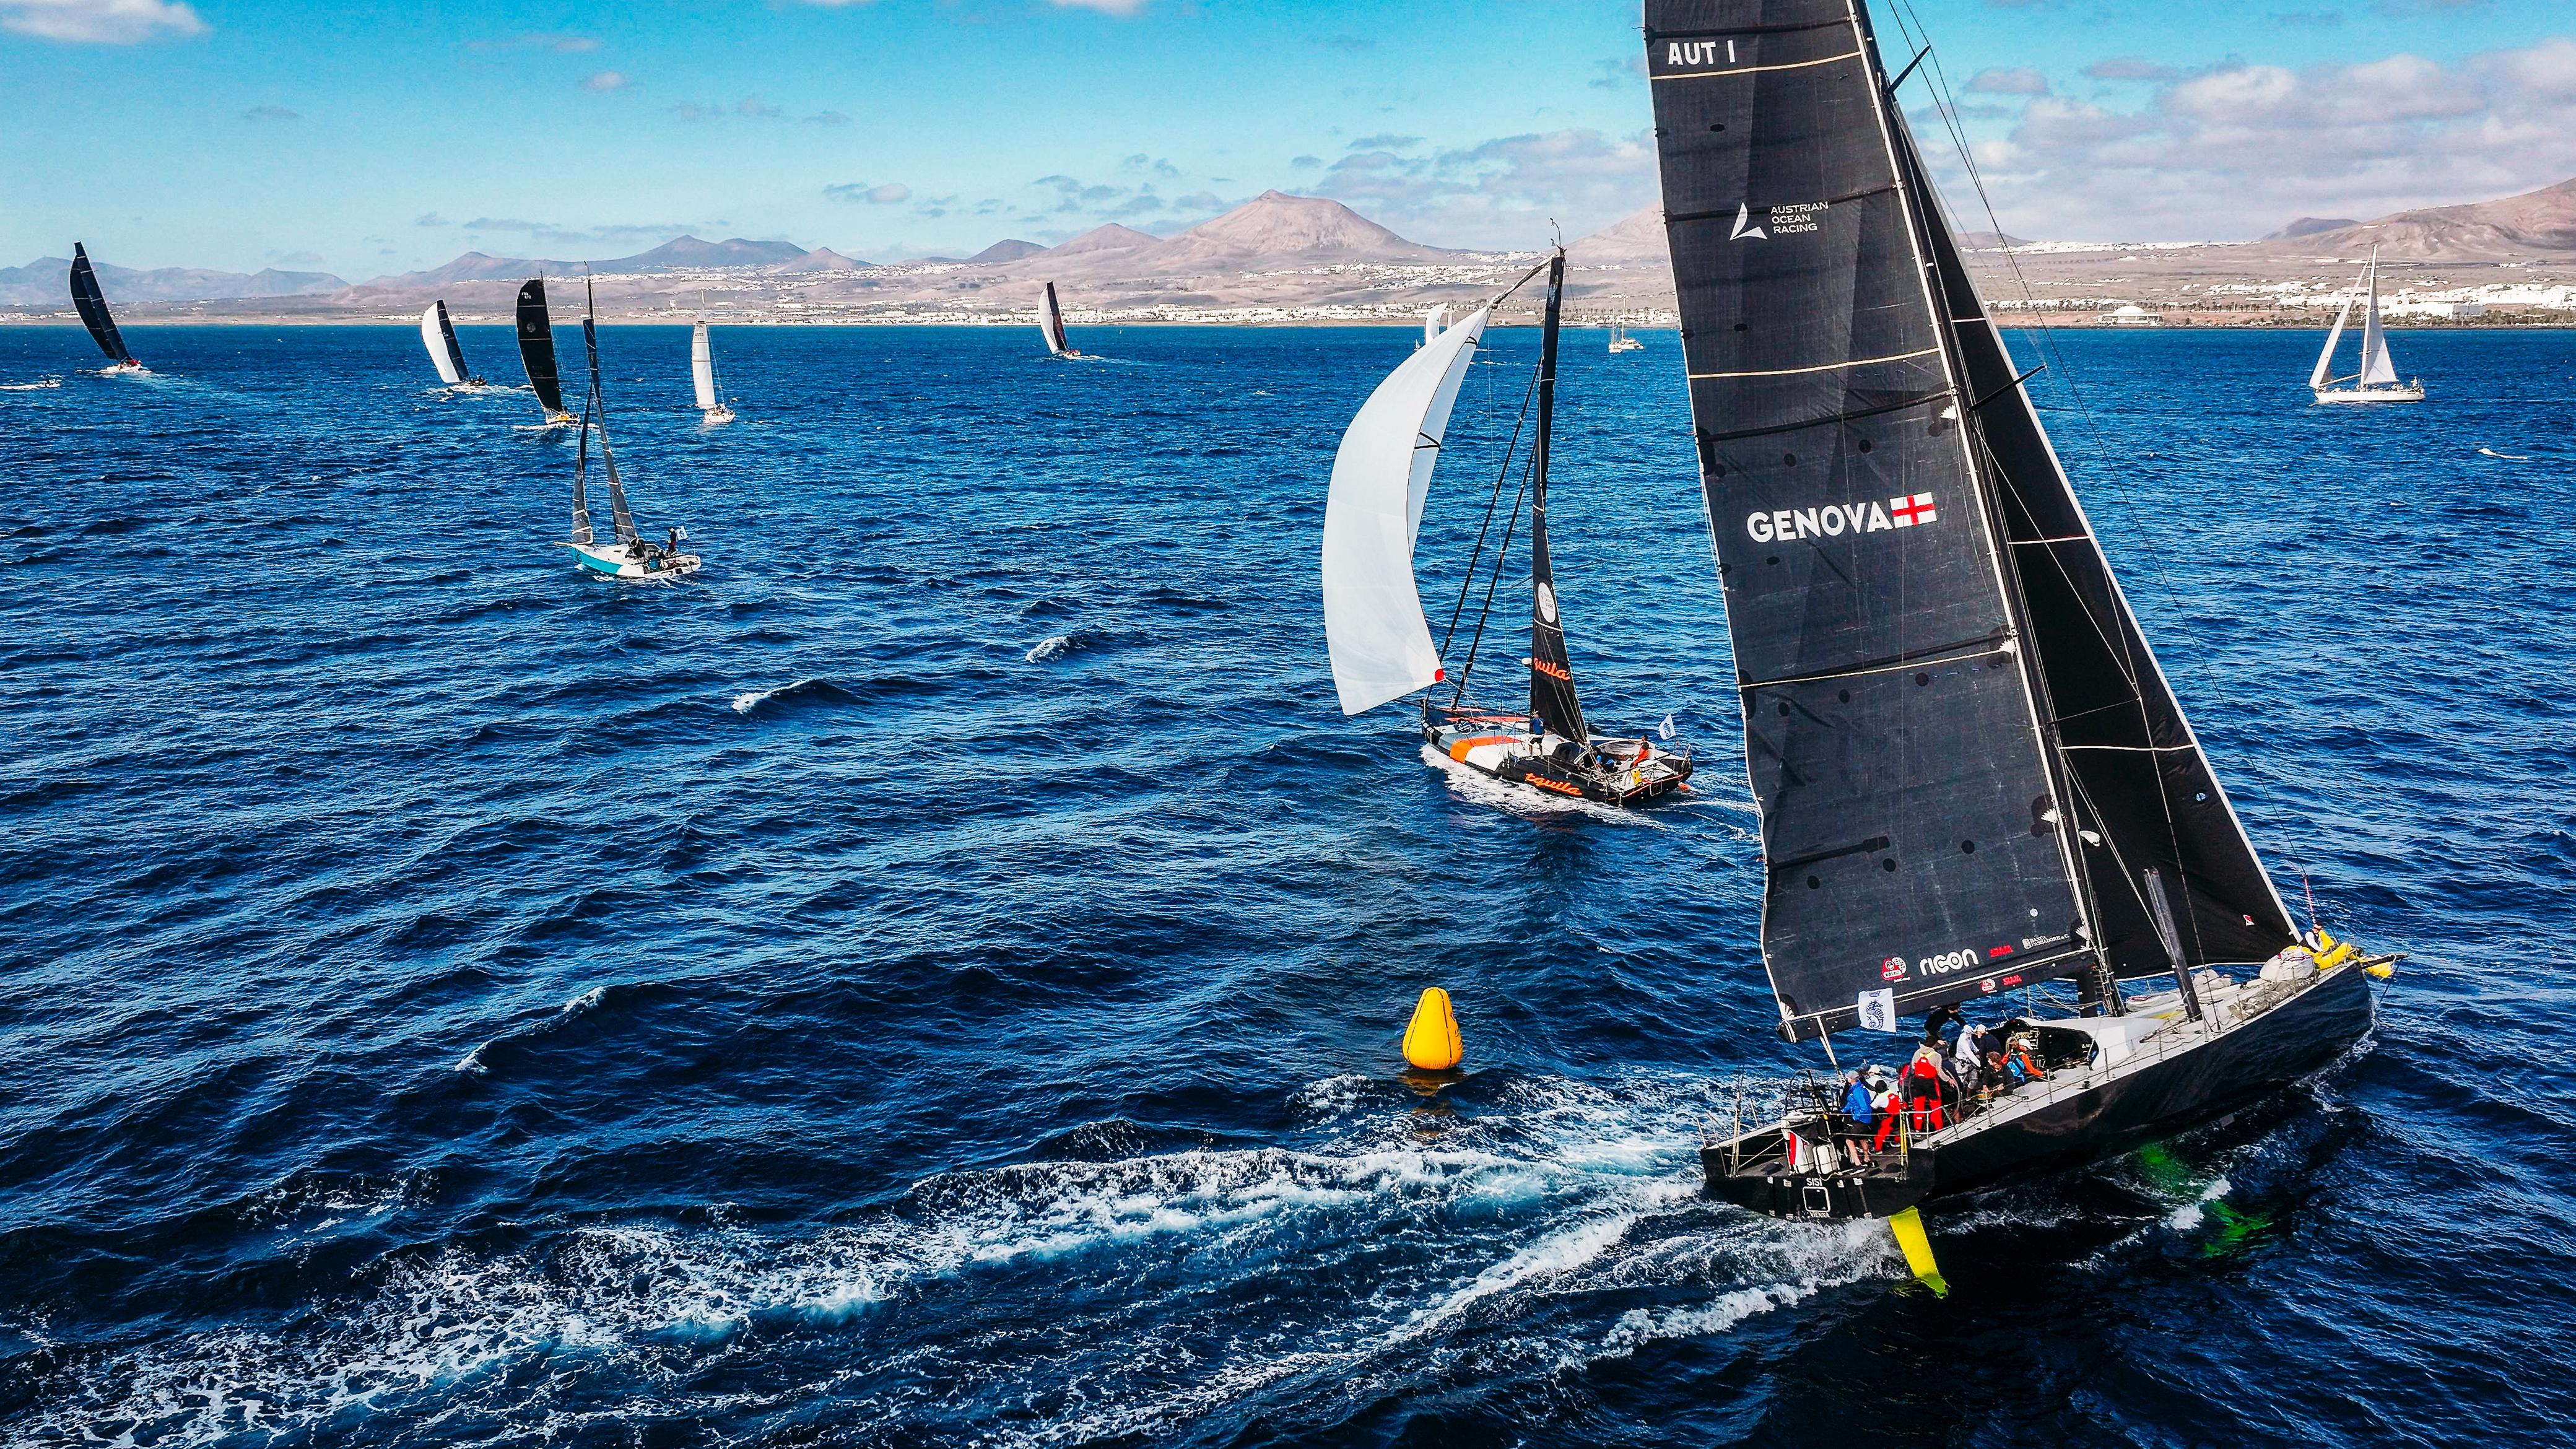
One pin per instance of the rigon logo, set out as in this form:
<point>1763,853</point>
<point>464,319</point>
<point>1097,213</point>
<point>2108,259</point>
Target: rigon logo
<point>1783,525</point>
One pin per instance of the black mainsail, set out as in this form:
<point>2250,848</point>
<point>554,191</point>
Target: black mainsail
<point>537,346</point>
<point>91,303</point>
<point>1552,702</point>
<point>1946,700</point>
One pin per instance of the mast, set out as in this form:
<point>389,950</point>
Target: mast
<point>91,303</point>
<point>1911,814</point>
<point>597,407</point>
<point>1553,705</point>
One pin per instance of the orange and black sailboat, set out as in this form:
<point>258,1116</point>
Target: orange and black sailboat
<point>1381,643</point>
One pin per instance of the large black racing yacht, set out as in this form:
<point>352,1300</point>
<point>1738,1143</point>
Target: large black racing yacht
<point>1973,776</point>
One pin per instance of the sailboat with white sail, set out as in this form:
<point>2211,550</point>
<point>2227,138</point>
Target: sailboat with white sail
<point>537,352</point>
<point>1620,341</point>
<point>702,374</point>
<point>1051,325</point>
<point>2377,379</point>
<point>1380,640</point>
<point>1974,779</point>
<point>91,303</point>
<point>438,334</point>
<point>625,555</point>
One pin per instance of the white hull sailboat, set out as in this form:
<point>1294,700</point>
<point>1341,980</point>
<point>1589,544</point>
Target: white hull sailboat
<point>2377,379</point>
<point>438,334</point>
<point>1620,341</point>
<point>625,555</point>
<point>702,371</point>
<point>1051,325</point>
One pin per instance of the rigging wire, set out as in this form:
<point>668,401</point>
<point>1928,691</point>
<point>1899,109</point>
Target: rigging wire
<point>1946,109</point>
<point>1500,474</point>
<point>1492,582</point>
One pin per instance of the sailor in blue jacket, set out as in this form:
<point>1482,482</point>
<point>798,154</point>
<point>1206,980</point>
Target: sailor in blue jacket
<point>1856,1100</point>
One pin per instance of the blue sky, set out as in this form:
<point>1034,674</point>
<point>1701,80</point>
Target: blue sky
<point>365,140</point>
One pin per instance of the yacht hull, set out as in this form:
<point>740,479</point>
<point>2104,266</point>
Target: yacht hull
<point>619,562</point>
<point>1509,756</point>
<point>2163,1095</point>
<point>2411,393</point>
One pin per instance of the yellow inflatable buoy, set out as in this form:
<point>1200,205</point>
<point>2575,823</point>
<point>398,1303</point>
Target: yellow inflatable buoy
<point>1918,1251</point>
<point>1431,1039</point>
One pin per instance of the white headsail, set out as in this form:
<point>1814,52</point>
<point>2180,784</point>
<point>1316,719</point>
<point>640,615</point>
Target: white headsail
<point>2376,365</point>
<point>702,369</point>
<point>1433,324</point>
<point>1051,323</point>
<point>2325,359</point>
<point>434,336</point>
<point>1381,644</point>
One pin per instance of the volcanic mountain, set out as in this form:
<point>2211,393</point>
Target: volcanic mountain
<point>47,279</point>
<point>2536,223</point>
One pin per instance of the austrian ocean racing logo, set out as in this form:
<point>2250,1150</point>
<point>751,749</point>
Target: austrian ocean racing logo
<point>1833,520</point>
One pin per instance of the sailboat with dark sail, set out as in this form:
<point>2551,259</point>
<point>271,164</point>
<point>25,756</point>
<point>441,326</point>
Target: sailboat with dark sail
<point>1051,325</point>
<point>1373,620</point>
<point>1973,776</point>
<point>537,351</point>
<point>91,303</point>
<point>438,334</point>
<point>625,555</point>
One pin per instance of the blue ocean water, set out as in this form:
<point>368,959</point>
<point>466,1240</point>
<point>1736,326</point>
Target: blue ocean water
<point>933,977</point>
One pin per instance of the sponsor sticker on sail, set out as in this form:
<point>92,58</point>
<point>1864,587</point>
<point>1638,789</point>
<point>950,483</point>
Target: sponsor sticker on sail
<point>1833,520</point>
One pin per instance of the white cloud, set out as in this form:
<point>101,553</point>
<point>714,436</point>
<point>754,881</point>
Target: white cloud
<point>860,192</point>
<point>2236,150</point>
<point>604,80</point>
<point>100,22</point>
<point>1503,192</point>
<point>2019,81</point>
<point>270,113</point>
<point>1106,7</point>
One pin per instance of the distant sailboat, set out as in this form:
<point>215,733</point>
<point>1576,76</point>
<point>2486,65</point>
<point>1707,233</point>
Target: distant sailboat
<point>439,336</point>
<point>702,371</point>
<point>537,350</point>
<point>92,306</point>
<point>1051,324</point>
<point>626,556</point>
<point>1620,341</point>
<point>1381,643</point>
<point>2377,380</point>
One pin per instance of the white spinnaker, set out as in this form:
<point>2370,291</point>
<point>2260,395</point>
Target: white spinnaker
<point>1432,325</point>
<point>2325,359</point>
<point>2376,365</point>
<point>1381,644</point>
<point>702,368</point>
<point>1051,322</point>
<point>436,341</point>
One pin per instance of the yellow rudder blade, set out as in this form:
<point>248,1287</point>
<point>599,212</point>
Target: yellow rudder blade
<point>1918,1251</point>
<point>1431,1039</point>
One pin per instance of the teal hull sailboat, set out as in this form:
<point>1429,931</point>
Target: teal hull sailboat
<point>624,555</point>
